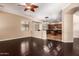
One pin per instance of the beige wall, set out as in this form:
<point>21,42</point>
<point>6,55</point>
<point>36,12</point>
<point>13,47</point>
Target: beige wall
<point>10,26</point>
<point>67,34</point>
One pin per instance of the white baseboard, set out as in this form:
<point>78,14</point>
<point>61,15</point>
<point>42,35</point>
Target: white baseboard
<point>11,38</point>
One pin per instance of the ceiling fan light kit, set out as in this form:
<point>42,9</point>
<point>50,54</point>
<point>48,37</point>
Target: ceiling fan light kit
<point>29,6</point>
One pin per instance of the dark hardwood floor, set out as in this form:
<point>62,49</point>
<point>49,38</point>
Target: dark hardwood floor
<point>36,47</point>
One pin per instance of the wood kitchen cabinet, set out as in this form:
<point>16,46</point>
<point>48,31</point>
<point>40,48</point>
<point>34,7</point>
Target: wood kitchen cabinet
<point>54,31</point>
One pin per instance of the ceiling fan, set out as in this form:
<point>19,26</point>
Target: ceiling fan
<point>29,6</point>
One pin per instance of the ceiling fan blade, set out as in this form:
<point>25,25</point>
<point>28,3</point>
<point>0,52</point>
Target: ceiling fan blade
<point>25,9</point>
<point>33,10</point>
<point>35,6</point>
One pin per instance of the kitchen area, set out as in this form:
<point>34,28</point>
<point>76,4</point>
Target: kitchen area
<point>54,31</point>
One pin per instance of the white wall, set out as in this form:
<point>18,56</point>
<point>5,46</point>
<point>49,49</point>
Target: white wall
<point>10,26</point>
<point>67,27</point>
<point>76,26</point>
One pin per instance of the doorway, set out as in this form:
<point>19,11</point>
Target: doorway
<point>54,31</point>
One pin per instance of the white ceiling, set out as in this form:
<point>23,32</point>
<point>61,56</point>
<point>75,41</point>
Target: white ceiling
<point>45,9</point>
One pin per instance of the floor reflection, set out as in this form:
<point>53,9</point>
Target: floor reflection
<point>54,48</point>
<point>24,48</point>
<point>30,47</point>
<point>46,49</point>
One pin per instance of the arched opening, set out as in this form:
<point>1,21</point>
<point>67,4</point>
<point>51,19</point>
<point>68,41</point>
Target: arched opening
<point>67,28</point>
